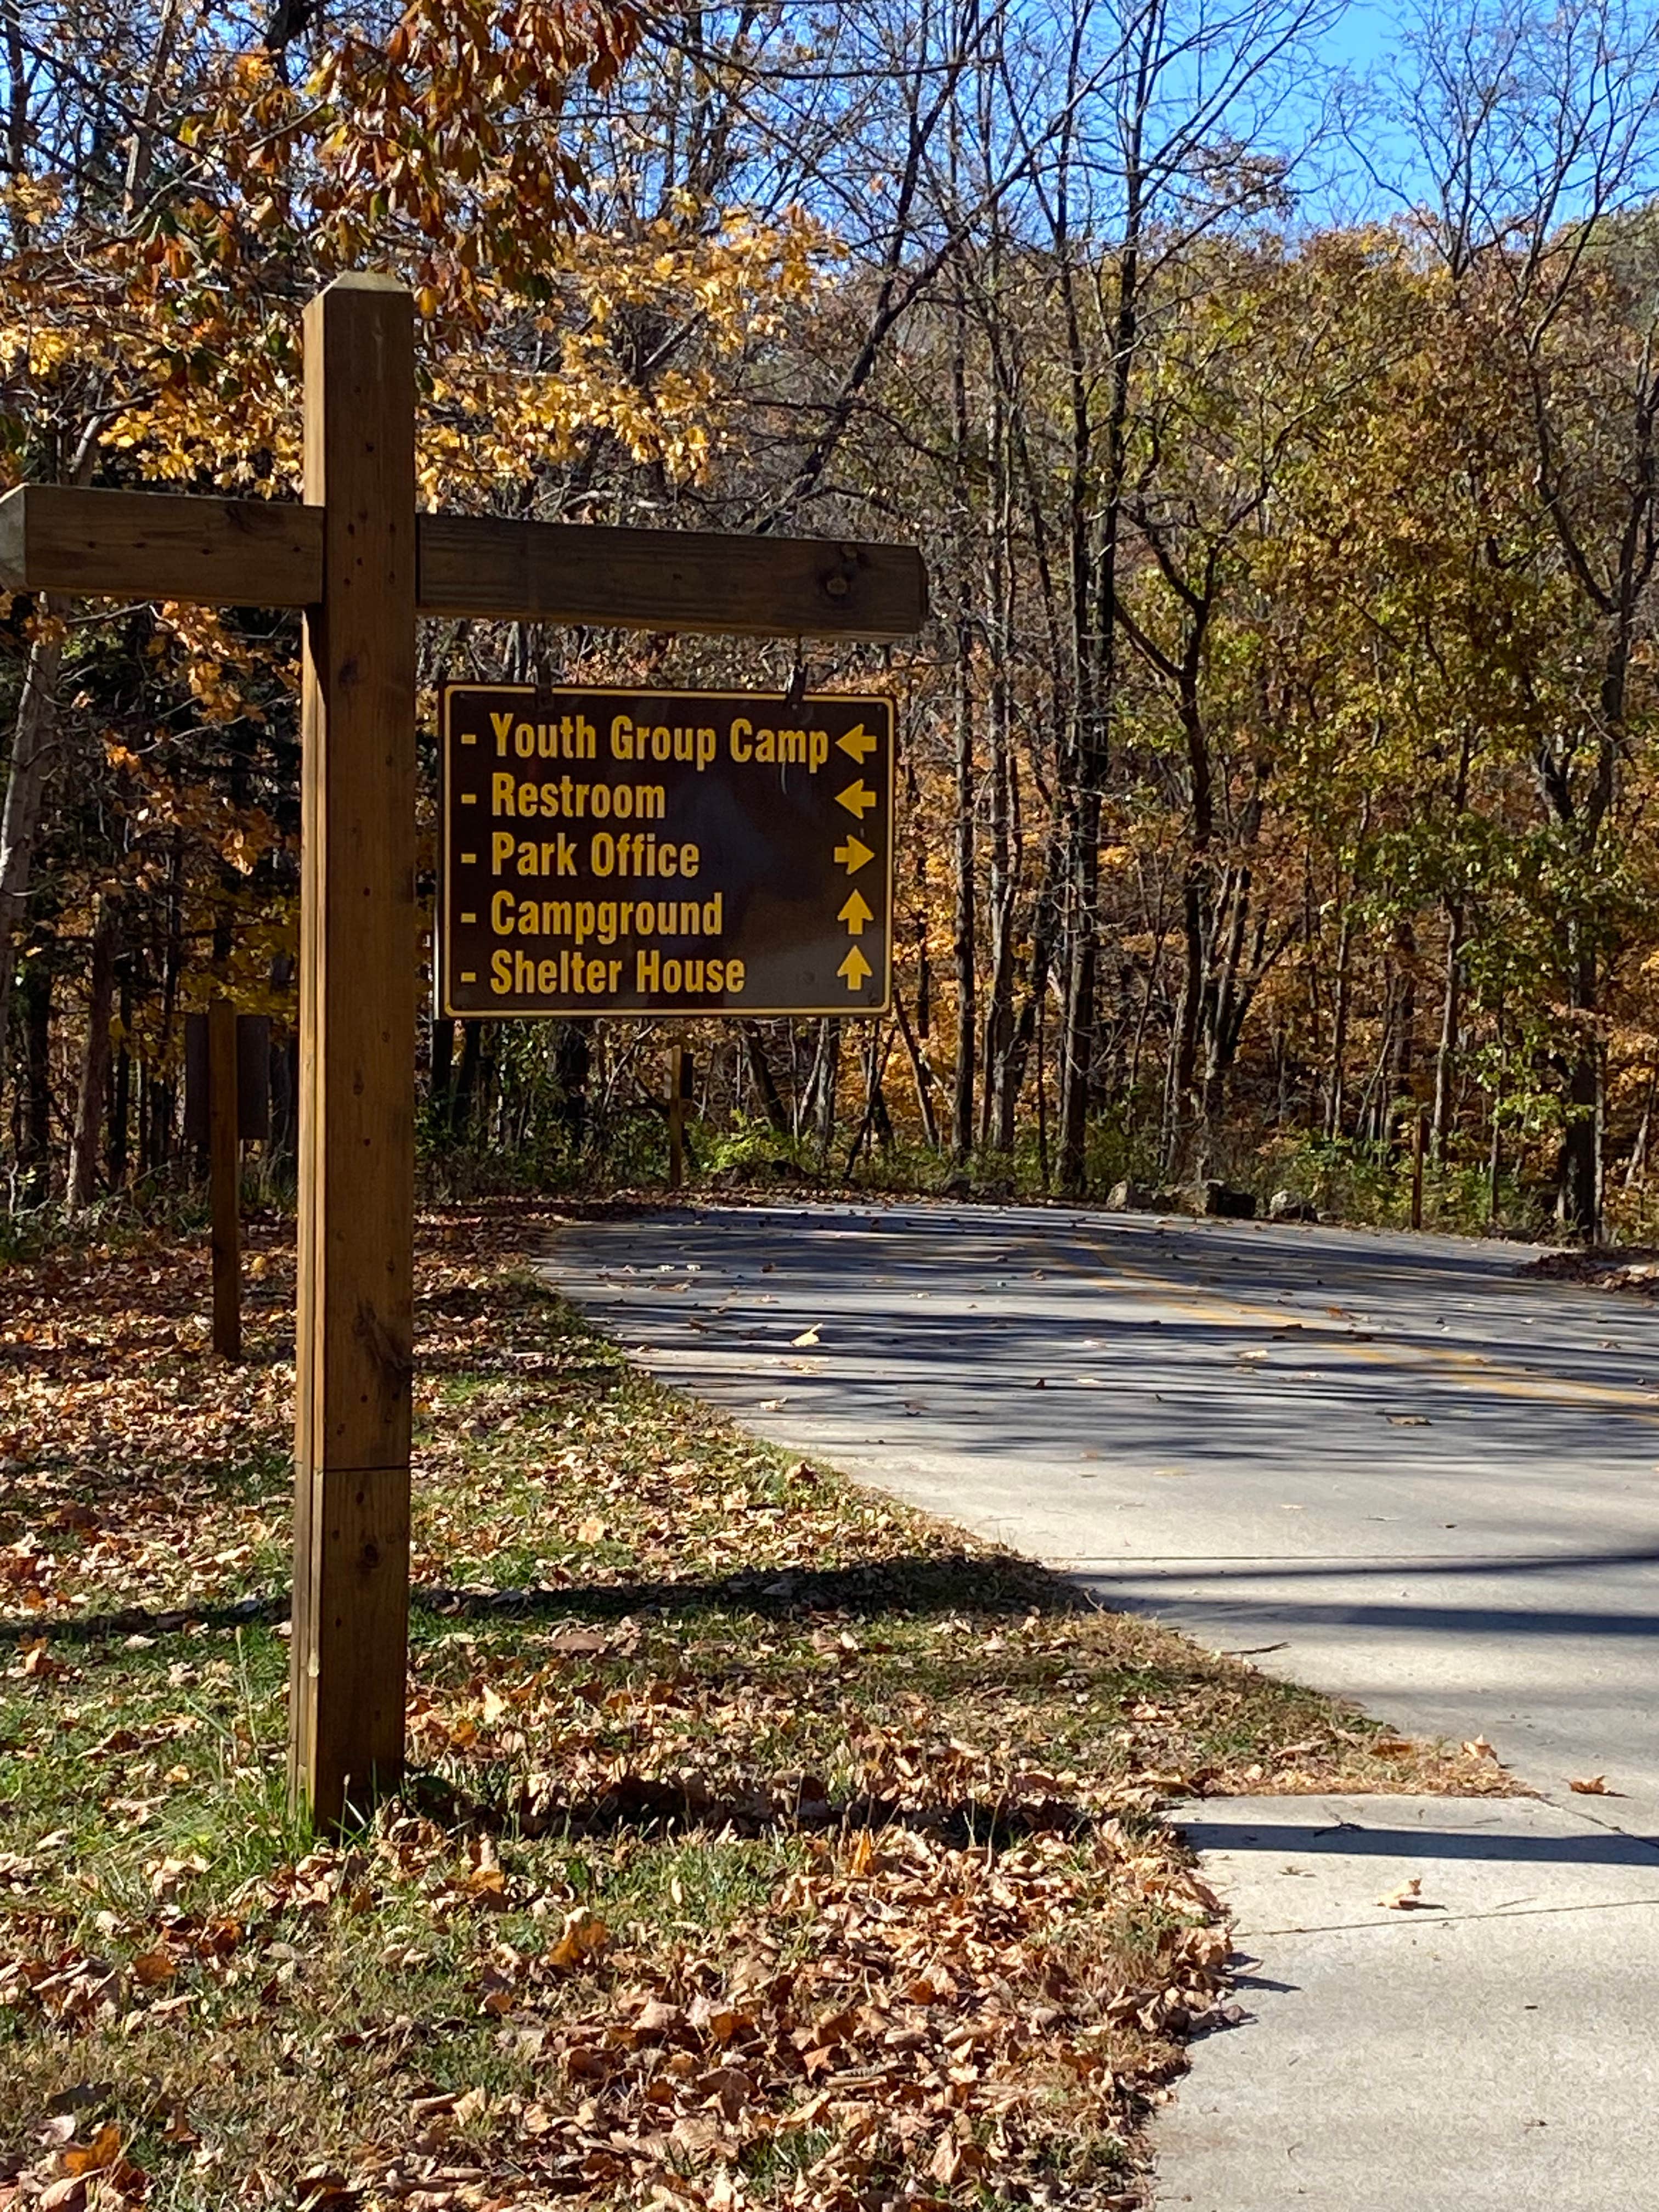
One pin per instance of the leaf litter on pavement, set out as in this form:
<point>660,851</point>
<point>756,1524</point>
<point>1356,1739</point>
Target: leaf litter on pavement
<point>764,1843</point>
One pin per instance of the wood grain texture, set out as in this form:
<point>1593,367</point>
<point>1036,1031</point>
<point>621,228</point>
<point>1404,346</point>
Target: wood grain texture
<point>668,580</point>
<point>348,1674</point>
<point>224,1177</point>
<point>160,545</point>
<point>357,993</point>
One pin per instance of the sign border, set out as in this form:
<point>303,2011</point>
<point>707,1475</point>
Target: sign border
<point>441,949</point>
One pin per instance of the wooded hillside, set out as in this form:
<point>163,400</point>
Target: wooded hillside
<point>1278,762</point>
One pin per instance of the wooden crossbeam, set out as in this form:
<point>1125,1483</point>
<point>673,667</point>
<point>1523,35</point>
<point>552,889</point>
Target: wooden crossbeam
<point>159,545</point>
<point>251,552</point>
<point>668,580</point>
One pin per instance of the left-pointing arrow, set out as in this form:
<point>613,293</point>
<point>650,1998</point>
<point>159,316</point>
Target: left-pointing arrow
<point>857,798</point>
<point>856,913</point>
<point>855,968</point>
<point>859,742</point>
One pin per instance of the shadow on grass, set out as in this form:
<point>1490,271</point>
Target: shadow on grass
<point>924,1587</point>
<point>680,1807</point>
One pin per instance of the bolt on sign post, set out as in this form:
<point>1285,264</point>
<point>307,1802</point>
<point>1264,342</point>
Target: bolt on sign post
<point>363,565</point>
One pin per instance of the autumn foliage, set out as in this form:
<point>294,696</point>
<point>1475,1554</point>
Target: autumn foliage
<point>1275,769</point>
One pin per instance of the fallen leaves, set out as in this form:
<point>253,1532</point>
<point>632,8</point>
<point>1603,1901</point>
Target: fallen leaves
<point>1590,1785</point>
<point>584,1936</point>
<point>757,1827</point>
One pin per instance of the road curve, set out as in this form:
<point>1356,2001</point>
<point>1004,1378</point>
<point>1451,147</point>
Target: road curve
<point>1390,1466</point>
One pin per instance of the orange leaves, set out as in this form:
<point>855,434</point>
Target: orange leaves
<point>942,2075</point>
<point>773,1875</point>
<point>584,1936</point>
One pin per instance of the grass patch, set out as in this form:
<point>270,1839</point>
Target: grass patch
<point>764,1843</point>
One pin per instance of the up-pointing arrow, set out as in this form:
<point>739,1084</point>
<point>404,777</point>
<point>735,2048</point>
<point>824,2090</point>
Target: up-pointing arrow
<point>857,798</point>
<point>853,855</point>
<point>855,912</point>
<point>860,742</point>
<point>855,968</point>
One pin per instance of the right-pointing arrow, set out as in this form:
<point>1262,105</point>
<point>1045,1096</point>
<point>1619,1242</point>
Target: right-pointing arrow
<point>853,855</point>
<point>855,968</point>
<point>855,912</point>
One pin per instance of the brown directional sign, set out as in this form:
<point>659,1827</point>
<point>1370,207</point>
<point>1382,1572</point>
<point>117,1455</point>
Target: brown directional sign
<point>616,852</point>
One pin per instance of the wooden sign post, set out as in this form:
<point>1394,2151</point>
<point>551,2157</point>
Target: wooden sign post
<point>362,565</point>
<point>227,1099</point>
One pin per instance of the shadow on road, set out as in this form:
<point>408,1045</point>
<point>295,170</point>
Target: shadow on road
<point>1593,1847</point>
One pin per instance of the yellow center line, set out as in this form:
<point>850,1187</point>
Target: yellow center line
<point>1476,1366</point>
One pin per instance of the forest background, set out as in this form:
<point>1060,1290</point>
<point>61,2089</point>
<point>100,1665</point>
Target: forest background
<point>1278,427</point>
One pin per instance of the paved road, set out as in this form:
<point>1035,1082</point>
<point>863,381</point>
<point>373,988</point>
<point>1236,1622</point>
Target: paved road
<point>1389,1467</point>
<point>1421,1478</point>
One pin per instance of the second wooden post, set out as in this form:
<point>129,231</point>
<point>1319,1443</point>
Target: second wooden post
<point>357,993</point>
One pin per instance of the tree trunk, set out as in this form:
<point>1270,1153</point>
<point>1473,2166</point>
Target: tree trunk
<point>829,1083</point>
<point>963,945</point>
<point>1077,1032</point>
<point>441,1085</point>
<point>1580,1202</point>
<point>1445,1058</point>
<point>1635,1167</point>
<point>997,1105</point>
<point>34,1146</point>
<point>120,1101</point>
<point>573,1066</point>
<point>1221,1043</point>
<point>26,783</point>
<point>83,1180</point>
<point>962,1104</point>
<point>466,1082</point>
<point>921,1073</point>
<point>1180,1092</point>
<point>760,1073</point>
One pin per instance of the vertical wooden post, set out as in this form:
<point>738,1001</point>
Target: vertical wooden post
<point>224,1177</point>
<point>357,993</point>
<point>1420,1134</point>
<point>678,1069</point>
